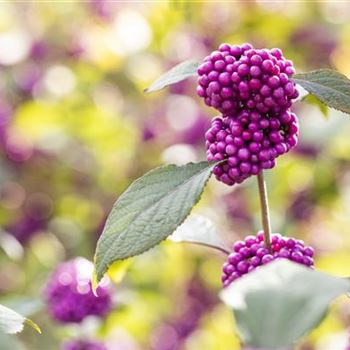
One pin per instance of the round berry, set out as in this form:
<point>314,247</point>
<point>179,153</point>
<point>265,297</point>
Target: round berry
<point>252,253</point>
<point>237,76</point>
<point>249,142</point>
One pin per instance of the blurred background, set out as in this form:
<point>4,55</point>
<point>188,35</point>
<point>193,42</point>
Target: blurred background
<point>76,129</point>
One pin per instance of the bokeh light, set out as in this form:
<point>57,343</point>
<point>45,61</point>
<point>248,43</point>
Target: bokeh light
<point>76,129</point>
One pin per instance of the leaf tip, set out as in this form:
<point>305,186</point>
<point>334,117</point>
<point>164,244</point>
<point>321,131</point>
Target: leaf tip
<point>94,279</point>
<point>29,322</point>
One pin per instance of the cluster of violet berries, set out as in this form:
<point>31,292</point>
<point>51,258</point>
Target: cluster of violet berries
<point>253,91</point>
<point>69,296</point>
<point>251,253</point>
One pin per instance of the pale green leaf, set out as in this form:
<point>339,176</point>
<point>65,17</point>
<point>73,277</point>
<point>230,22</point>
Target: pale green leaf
<point>176,74</point>
<point>279,303</point>
<point>198,229</point>
<point>12,322</point>
<point>329,86</point>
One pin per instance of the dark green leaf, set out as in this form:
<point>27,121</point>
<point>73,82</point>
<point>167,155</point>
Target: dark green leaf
<point>12,322</point>
<point>329,86</point>
<point>149,211</point>
<point>174,75</point>
<point>277,304</point>
<point>200,230</point>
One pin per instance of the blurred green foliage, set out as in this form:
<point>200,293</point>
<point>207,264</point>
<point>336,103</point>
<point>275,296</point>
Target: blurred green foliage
<point>76,130</point>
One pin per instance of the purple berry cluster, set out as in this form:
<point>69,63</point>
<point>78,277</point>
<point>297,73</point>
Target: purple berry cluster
<point>80,344</point>
<point>69,294</point>
<point>251,253</point>
<point>250,142</point>
<point>236,77</point>
<point>253,91</point>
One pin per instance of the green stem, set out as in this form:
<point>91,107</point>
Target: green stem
<point>265,215</point>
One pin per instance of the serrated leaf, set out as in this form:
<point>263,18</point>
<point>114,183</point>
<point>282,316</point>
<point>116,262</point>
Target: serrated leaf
<point>198,229</point>
<point>329,86</point>
<point>12,322</point>
<point>279,303</point>
<point>149,211</point>
<point>174,75</point>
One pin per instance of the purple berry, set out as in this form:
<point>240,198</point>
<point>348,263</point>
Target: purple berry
<point>253,253</point>
<point>251,75</point>
<point>249,142</point>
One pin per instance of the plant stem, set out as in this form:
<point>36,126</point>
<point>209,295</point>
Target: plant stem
<point>265,215</point>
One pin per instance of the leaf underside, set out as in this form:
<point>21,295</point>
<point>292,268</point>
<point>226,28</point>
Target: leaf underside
<point>279,303</point>
<point>12,322</point>
<point>149,211</point>
<point>198,229</point>
<point>176,74</point>
<point>329,86</point>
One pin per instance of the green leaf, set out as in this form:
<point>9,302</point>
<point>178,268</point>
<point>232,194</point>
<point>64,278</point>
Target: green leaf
<point>174,75</point>
<point>198,229</point>
<point>12,322</point>
<point>279,303</point>
<point>329,86</point>
<point>149,211</point>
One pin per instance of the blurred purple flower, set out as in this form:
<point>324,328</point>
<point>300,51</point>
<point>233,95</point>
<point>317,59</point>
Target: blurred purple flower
<point>26,228</point>
<point>302,206</point>
<point>148,133</point>
<point>307,150</point>
<point>236,206</point>
<point>194,134</point>
<point>80,344</point>
<point>101,8</point>
<point>28,78</point>
<point>38,50</point>
<point>5,116</point>
<point>316,43</point>
<point>76,49</point>
<point>171,334</point>
<point>69,295</point>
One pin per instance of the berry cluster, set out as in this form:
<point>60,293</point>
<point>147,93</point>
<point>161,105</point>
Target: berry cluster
<point>252,253</point>
<point>241,76</point>
<point>253,91</point>
<point>250,142</point>
<point>69,295</point>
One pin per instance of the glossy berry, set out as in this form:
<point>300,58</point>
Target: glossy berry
<point>249,143</point>
<point>236,77</point>
<point>69,295</point>
<point>251,253</point>
<point>80,344</point>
